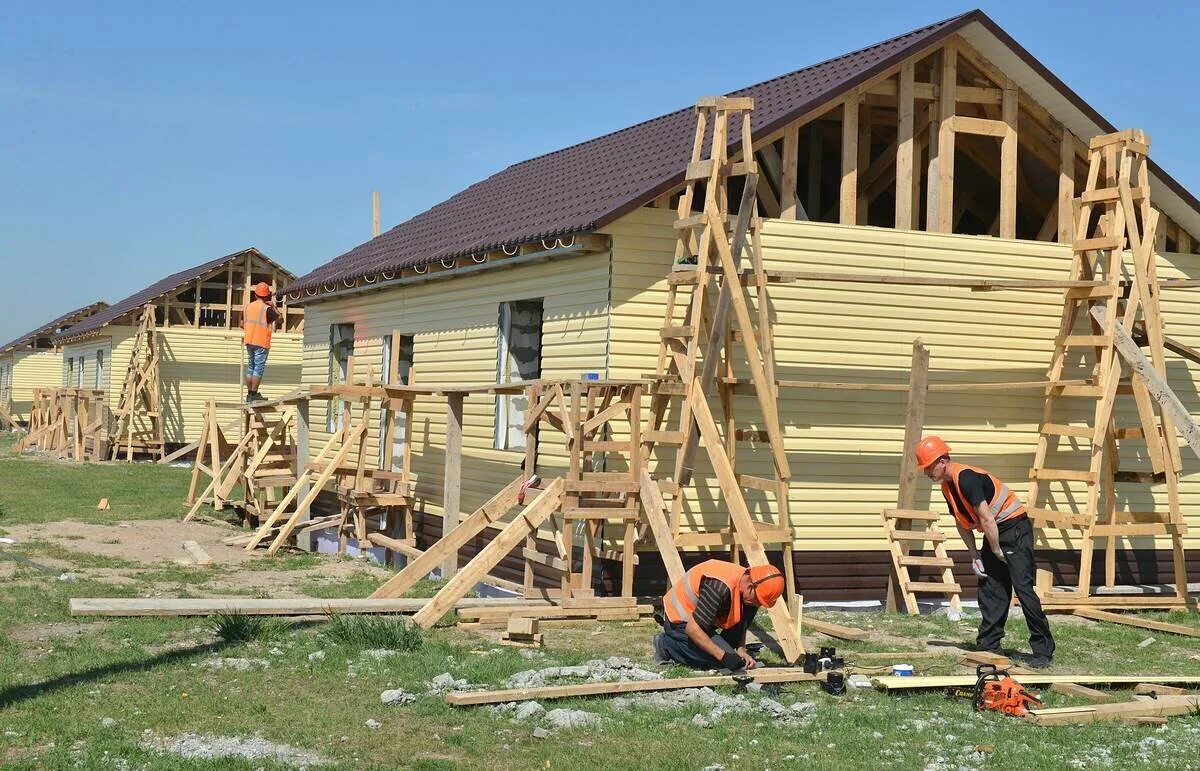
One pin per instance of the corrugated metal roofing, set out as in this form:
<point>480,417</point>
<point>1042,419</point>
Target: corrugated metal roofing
<point>158,289</point>
<point>586,186</point>
<point>63,321</point>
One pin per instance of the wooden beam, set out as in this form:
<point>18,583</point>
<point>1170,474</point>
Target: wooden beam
<point>848,211</point>
<point>830,629</point>
<point>1160,707</point>
<point>1066,187</point>
<point>654,509</point>
<point>816,137</point>
<point>905,147</point>
<point>1158,387</point>
<point>305,606</point>
<point>772,675</point>
<point>1082,692</point>
<point>452,476</point>
<point>945,185</point>
<point>901,683</point>
<point>1008,164</point>
<point>1130,620</point>
<point>791,167</point>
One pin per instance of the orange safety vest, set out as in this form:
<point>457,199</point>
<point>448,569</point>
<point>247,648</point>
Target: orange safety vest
<point>680,601</point>
<point>256,330</point>
<point>1004,505</point>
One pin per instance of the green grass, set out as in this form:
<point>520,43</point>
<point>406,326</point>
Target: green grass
<point>74,557</point>
<point>60,676</point>
<point>240,628</point>
<point>367,632</point>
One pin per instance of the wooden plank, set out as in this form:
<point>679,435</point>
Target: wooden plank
<point>919,682</point>
<point>1082,691</point>
<point>1143,623</point>
<point>963,124</point>
<point>656,517</point>
<point>449,544</point>
<point>1159,390</point>
<point>848,208</point>
<point>830,629</point>
<point>921,515</point>
<point>1162,707</point>
<point>525,524</point>
<point>198,555</point>
<point>769,675</point>
<point>788,203</point>
<point>1008,164</point>
<point>304,606</point>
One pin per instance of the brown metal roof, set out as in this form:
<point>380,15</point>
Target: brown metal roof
<point>586,186</point>
<point>58,325</point>
<point>157,290</point>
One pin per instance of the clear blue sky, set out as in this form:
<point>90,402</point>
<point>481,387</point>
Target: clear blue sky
<point>137,139</point>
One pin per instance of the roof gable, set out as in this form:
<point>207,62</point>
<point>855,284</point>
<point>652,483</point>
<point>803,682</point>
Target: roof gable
<point>51,328</point>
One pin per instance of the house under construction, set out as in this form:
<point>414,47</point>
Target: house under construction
<point>929,186</point>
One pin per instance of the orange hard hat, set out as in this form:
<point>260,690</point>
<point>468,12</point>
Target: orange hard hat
<point>768,584</point>
<point>262,290</point>
<point>930,449</point>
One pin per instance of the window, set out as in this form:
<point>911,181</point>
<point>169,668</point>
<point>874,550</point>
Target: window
<point>70,373</point>
<point>99,370</point>
<point>79,372</point>
<point>518,358</point>
<point>341,350</point>
<point>403,345</point>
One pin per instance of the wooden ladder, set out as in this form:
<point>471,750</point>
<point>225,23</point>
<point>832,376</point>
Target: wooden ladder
<point>1114,202</point>
<point>904,531</point>
<point>708,264</point>
<point>138,415</point>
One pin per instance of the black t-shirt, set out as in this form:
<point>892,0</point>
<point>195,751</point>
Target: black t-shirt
<point>976,489</point>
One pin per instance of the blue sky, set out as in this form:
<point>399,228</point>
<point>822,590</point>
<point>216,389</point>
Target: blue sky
<point>141,138</point>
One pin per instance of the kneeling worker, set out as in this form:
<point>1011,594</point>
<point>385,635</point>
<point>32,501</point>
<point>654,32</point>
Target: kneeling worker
<point>980,501</point>
<point>258,321</point>
<point>715,596</point>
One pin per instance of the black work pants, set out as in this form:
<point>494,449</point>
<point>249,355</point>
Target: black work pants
<point>1017,574</point>
<point>682,650</point>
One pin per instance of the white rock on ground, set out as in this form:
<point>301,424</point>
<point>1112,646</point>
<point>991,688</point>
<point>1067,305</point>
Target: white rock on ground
<point>529,710</point>
<point>379,654</point>
<point>446,682</point>
<point>107,722</point>
<point>316,656</point>
<point>373,724</point>
<point>208,747</point>
<point>237,663</point>
<point>571,718</point>
<point>397,696</point>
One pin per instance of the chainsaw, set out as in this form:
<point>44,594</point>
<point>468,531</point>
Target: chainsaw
<point>997,691</point>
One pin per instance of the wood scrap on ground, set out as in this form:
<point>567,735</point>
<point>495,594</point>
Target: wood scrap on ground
<point>1151,708</point>
<point>1096,614</point>
<point>160,606</point>
<point>197,553</point>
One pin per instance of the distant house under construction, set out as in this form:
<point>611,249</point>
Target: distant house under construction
<point>34,361</point>
<point>949,151</point>
<point>185,352</point>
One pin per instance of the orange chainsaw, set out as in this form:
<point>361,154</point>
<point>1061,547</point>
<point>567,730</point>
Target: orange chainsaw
<point>996,690</point>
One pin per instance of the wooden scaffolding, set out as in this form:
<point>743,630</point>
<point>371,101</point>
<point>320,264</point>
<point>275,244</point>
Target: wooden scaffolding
<point>137,419</point>
<point>1081,446</point>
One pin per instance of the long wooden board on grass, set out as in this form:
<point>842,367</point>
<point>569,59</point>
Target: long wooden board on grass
<point>1163,706</point>
<point>769,675</point>
<point>160,606</point>
<point>899,683</point>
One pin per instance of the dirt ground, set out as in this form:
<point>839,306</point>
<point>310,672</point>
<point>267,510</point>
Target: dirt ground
<point>158,544</point>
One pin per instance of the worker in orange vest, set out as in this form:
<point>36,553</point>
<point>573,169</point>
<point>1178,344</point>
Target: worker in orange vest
<point>980,501</point>
<point>709,611</point>
<point>258,321</point>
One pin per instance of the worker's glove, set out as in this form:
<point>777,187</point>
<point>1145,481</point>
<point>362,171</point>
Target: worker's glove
<point>1000,555</point>
<point>977,566</point>
<point>733,662</point>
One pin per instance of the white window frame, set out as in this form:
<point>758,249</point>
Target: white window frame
<point>99,369</point>
<point>338,369</point>
<point>510,408</point>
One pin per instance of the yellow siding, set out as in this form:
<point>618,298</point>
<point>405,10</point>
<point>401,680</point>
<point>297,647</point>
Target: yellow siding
<point>33,369</point>
<point>454,325</point>
<point>195,365</point>
<point>844,446</point>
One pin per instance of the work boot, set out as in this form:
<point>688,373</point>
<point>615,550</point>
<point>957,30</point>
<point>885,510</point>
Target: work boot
<point>1039,662</point>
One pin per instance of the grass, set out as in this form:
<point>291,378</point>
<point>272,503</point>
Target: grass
<point>372,632</point>
<point>60,676</point>
<point>240,628</point>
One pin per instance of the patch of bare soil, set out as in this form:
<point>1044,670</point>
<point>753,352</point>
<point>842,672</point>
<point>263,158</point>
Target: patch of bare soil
<point>144,541</point>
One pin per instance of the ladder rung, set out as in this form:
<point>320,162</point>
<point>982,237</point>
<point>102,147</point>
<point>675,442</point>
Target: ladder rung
<point>896,514</point>
<point>1088,341</point>
<point>698,170</point>
<point>596,512</point>
<point>1096,244</point>
<point>1139,528</point>
<point>926,562</point>
<point>670,389</point>
<point>1062,429</point>
<point>1049,517</point>
<point>1089,391</point>
<point>1090,292</point>
<point>933,586</point>
<point>1131,433</point>
<point>663,437</point>
<point>676,332</point>
<point>687,275</point>
<point>1063,475</point>
<point>1103,194</point>
<point>934,536</point>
